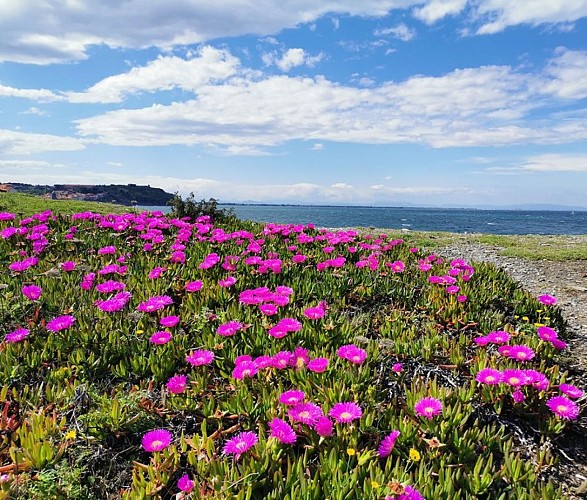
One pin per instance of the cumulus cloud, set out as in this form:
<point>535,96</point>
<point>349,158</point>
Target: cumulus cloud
<point>23,143</point>
<point>40,95</point>
<point>401,32</point>
<point>164,73</point>
<point>489,105</point>
<point>291,58</point>
<point>435,10</point>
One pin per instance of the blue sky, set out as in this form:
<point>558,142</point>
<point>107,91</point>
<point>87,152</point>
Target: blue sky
<point>388,102</point>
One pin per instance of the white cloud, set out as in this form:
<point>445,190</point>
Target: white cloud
<point>33,110</point>
<point>401,32</point>
<point>556,163</point>
<point>318,146</point>
<point>164,73</point>
<point>485,106</point>
<point>291,58</point>
<point>504,13</point>
<point>41,95</point>
<point>435,10</point>
<point>22,143</point>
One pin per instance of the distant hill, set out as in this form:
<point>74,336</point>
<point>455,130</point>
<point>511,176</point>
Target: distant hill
<point>130,194</point>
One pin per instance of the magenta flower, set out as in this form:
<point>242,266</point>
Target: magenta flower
<point>200,357</point>
<point>281,359</point>
<point>268,309</point>
<point>518,352</point>
<point>110,286</point>
<point>156,440</point>
<point>263,361</point>
<point>571,391</point>
<point>306,413</point>
<point>397,368</point>
<point>228,282</point>
<point>387,444</point>
<point>155,303</point>
<point>169,321</point>
<point>344,413</point>
<point>282,431</point>
<point>194,286</point>
<point>547,300</point>
<point>60,323</point>
<point>22,265</point>
<point>563,407</point>
<point>397,267</point>
<point>317,365</point>
<point>291,398</point>
<point>229,328</point>
<point>428,407</point>
<point>323,426</point>
<point>68,266</point>
<point>240,443</point>
<point>352,353</point>
<point>245,369</point>
<point>452,289</point>
<point>498,337</point>
<point>514,377</point>
<point>184,483</point>
<point>156,272</point>
<point>17,335</point>
<point>409,493</point>
<point>489,376</point>
<point>547,334</point>
<point>558,344</point>
<point>314,312</point>
<point>518,396</point>
<point>160,338</point>
<point>177,384</point>
<point>299,358</point>
<point>32,292</point>
<point>115,304</point>
<point>109,250</point>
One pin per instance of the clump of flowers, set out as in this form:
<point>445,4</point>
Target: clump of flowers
<point>352,353</point>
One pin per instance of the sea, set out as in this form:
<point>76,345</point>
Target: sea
<point>454,220</point>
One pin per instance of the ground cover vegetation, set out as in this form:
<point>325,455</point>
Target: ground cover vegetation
<point>151,356</point>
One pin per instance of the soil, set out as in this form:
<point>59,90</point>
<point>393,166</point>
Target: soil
<point>567,281</point>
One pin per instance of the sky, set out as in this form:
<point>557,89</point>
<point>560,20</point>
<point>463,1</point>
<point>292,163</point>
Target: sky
<point>370,102</point>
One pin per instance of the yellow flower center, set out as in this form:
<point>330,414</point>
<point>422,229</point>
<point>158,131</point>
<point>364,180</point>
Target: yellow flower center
<point>345,415</point>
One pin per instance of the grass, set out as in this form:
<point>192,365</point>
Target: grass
<point>26,205</point>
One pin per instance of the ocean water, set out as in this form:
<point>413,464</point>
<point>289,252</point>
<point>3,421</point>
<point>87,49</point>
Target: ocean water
<point>455,220</point>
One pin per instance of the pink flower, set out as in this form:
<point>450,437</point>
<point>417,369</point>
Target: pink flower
<point>268,309</point>
<point>240,443</point>
<point>17,335</point>
<point>194,286</point>
<point>518,396</point>
<point>428,407</point>
<point>282,431</point>
<point>571,391</point>
<point>563,407</point>
<point>518,352</point>
<point>200,357</point>
<point>498,337</point>
<point>489,376</point>
<point>60,323</point>
<point>32,292</point>
<point>156,272</point>
<point>345,412</point>
<point>291,398</point>
<point>306,413</point>
<point>547,334</point>
<point>156,440</point>
<point>461,298</point>
<point>245,369</point>
<point>184,483</point>
<point>314,312</point>
<point>229,328</point>
<point>177,384</point>
<point>352,353</point>
<point>169,321</point>
<point>107,250</point>
<point>323,426</point>
<point>228,282</point>
<point>547,300</point>
<point>110,286</point>
<point>160,338</point>
<point>452,289</point>
<point>397,267</point>
<point>281,359</point>
<point>559,344</point>
<point>115,304</point>
<point>68,266</point>
<point>397,368</point>
<point>317,365</point>
<point>155,303</point>
<point>515,378</point>
<point>299,358</point>
<point>387,444</point>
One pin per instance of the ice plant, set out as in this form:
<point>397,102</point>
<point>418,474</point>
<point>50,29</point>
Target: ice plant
<point>352,353</point>
<point>160,338</point>
<point>547,334</point>
<point>169,321</point>
<point>282,431</point>
<point>229,328</point>
<point>344,413</point>
<point>317,365</point>
<point>60,323</point>
<point>177,384</point>
<point>17,335</point>
<point>200,357</point>
<point>32,292</point>
<point>240,443</point>
<point>571,391</point>
<point>428,407</point>
<point>323,426</point>
<point>563,407</point>
<point>489,376</point>
<point>184,483</point>
<point>292,397</point>
<point>306,413</point>
<point>156,440</point>
<point>194,286</point>
<point>518,352</point>
<point>387,444</point>
<point>547,300</point>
